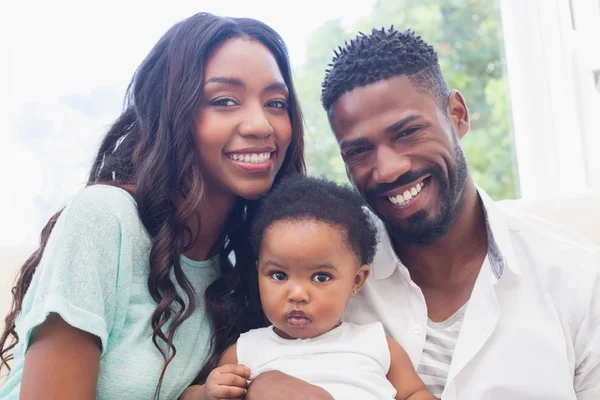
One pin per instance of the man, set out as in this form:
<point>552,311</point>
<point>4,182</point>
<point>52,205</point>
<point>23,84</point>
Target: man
<point>487,305</point>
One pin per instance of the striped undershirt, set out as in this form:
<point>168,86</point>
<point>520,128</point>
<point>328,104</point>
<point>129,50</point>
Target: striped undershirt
<point>439,347</point>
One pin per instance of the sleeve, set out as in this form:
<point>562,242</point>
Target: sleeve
<point>79,270</point>
<point>242,349</point>
<point>587,340</point>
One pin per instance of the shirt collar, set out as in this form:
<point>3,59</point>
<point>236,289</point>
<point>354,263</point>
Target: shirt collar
<point>500,250</point>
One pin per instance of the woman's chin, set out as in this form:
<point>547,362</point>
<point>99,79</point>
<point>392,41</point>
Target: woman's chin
<point>255,192</point>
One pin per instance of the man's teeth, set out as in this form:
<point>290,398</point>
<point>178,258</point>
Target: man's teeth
<point>405,197</point>
<point>254,158</point>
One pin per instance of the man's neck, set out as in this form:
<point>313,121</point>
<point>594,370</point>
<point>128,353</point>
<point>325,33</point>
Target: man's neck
<point>454,261</point>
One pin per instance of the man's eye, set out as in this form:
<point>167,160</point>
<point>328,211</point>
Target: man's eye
<point>278,275</point>
<point>355,152</point>
<point>407,132</point>
<point>321,277</point>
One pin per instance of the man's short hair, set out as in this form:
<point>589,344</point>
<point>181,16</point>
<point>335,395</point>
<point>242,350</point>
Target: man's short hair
<point>381,55</point>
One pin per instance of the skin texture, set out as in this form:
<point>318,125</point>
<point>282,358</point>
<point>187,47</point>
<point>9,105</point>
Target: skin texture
<point>389,133</point>
<point>63,362</point>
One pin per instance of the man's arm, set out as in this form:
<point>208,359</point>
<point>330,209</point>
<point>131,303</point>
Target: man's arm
<point>275,385</point>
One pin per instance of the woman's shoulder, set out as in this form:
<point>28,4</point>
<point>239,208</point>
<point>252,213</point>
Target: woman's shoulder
<point>101,201</point>
<point>103,209</point>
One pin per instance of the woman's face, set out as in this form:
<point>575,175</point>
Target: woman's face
<point>243,127</point>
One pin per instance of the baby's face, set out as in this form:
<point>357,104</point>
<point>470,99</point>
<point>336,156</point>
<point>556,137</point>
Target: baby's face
<point>307,272</point>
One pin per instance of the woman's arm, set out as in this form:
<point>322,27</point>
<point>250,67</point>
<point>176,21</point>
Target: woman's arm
<point>62,362</point>
<point>403,376</point>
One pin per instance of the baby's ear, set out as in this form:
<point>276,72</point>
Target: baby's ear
<point>361,278</point>
<point>256,263</point>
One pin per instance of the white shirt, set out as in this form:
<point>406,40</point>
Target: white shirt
<point>350,361</point>
<point>531,329</point>
<point>440,341</point>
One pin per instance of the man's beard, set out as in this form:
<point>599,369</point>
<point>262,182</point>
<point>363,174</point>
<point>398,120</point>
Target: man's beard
<point>422,230</point>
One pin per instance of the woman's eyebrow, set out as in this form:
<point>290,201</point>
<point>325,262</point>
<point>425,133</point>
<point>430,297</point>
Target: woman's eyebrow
<point>225,80</point>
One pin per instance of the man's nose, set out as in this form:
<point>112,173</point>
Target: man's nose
<point>390,165</point>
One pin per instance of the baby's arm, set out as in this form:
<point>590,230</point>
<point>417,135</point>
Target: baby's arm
<point>403,376</point>
<point>227,381</point>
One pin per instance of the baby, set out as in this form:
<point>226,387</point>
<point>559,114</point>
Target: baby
<point>314,242</point>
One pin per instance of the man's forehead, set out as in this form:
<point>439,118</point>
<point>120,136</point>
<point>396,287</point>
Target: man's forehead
<point>376,107</point>
<point>376,98</point>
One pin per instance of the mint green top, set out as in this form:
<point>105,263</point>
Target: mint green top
<point>94,273</point>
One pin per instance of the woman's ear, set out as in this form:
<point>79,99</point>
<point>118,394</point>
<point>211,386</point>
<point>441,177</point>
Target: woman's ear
<point>361,278</point>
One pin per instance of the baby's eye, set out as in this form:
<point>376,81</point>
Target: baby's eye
<point>321,277</point>
<point>279,276</point>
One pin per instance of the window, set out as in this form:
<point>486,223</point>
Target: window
<point>529,86</point>
<point>468,37</point>
<point>552,55</point>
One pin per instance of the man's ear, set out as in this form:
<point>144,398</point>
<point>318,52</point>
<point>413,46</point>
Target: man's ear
<point>361,278</point>
<point>458,113</point>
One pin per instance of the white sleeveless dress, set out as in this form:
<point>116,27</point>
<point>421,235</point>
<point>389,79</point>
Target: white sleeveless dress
<point>350,361</point>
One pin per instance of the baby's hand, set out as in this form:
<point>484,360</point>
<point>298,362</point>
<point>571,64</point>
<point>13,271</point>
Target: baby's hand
<point>227,382</point>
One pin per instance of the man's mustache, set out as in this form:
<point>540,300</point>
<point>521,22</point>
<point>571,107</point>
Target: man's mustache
<point>404,179</point>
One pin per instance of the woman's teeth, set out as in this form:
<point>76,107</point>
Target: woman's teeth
<point>252,158</point>
<point>408,195</point>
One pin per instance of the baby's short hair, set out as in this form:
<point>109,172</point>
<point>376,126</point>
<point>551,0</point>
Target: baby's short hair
<point>308,198</point>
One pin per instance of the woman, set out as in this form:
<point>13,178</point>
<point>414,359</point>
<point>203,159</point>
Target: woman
<point>119,299</point>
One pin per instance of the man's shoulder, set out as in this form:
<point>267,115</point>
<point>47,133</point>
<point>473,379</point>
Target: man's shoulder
<point>549,235</point>
<point>550,248</point>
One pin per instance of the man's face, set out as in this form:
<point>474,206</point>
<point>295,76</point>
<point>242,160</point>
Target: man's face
<point>402,153</point>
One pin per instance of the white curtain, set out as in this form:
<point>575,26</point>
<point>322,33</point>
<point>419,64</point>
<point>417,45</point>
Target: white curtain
<point>552,50</point>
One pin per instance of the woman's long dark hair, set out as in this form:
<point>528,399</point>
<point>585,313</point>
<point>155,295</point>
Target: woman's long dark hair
<point>151,147</point>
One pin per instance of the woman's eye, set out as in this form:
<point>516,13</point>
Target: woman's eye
<point>321,278</point>
<point>277,104</point>
<point>223,102</point>
<point>278,275</point>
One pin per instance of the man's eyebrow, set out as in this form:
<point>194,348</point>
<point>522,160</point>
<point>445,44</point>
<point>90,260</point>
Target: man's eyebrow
<point>225,80</point>
<point>353,142</point>
<point>396,126</point>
